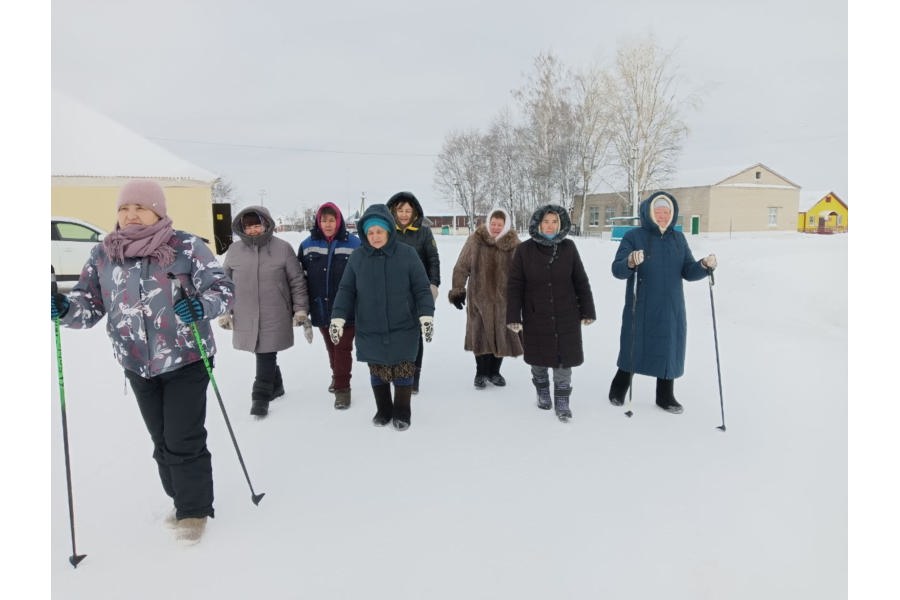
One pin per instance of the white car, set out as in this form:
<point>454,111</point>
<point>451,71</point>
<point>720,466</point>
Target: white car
<point>71,241</point>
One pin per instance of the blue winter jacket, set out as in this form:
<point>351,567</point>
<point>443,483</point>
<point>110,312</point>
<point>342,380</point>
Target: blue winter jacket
<point>660,324</point>
<point>388,290</point>
<point>324,263</point>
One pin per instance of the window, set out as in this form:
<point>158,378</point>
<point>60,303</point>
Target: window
<point>76,233</point>
<point>594,216</point>
<point>759,174</point>
<point>773,216</point>
<point>812,220</point>
<point>610,212</point>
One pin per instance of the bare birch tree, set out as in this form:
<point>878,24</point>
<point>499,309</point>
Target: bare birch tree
<point>461,173</point>
<point>649,128</point>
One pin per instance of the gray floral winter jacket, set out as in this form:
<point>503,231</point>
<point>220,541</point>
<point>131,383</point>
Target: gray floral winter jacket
<point>137,297</point>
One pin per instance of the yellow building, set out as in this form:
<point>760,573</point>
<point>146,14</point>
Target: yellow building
<point>828,214</point>
<point>92,156</point>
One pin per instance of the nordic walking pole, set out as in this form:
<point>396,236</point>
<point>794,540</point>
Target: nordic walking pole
<point>712,303</point>
<point>628,411</point>
<point>75,558</point>
<point>183,295</point>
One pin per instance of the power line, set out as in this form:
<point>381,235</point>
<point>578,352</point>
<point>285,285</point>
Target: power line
<point>291,148</point>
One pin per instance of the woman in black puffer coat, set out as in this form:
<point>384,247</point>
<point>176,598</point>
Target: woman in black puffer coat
<point>408,218</point>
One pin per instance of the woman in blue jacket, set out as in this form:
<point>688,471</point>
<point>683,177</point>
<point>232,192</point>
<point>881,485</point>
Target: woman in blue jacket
<point>386,289</point>
<point>324,255</point>
<point>653,337</point>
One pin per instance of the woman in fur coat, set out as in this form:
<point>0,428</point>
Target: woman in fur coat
<point>480,276</point>
<point>548,299</point>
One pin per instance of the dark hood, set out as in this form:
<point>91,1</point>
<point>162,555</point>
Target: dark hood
<point>264,216</point>
<point>646,212</point>
<point>381,211</point>
<point>409,198</point>
<point>534,226</point>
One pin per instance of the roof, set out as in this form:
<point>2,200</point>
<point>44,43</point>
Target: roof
<point>712,176</point>
<point>809,198</point>
<point>85,143</point>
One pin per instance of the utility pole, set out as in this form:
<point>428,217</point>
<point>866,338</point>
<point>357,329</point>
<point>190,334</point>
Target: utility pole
<point>634,182</point>
<point>585,172</point>
<point>262,197</point>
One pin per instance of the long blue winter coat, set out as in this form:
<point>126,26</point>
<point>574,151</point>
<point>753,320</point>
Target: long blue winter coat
<point>324,262</point>
<point>660,334</point>
<point>388,290</point>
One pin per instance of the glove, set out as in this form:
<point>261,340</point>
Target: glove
<point>587,321</point>
<point>709,262</point>
<point>434,292</point>
<point>427,326</point>
<point>635,258</point>
<point>59,306</point>
<point>307,331</point>
<point>336,330</point>
<point>225,322</point>
<point>457,298</point>
<point>299,318</point>
<point>185,306</point>
<point>514,327</point>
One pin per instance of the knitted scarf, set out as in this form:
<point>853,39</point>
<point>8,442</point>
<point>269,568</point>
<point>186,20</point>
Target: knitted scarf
<point>142,241</point>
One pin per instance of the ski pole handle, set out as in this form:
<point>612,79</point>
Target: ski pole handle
<point>182,294</point>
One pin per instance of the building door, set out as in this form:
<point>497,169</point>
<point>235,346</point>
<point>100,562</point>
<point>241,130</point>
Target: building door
<point>695,224</point>
<point>222,226</point>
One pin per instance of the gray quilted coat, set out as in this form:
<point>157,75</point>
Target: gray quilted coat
<point>269,287</point>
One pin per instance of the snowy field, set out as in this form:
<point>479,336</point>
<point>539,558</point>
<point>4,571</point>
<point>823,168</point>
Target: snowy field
<point>486,496</point>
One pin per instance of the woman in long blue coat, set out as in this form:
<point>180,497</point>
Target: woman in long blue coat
<point>654,329</point>
<point>386,289</point>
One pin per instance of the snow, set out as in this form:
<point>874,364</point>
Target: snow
<point>485,496</point>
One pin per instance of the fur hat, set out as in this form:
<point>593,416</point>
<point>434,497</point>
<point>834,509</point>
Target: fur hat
<point>143,192</point>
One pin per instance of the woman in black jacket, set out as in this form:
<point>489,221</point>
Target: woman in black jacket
<point>548,299</point>
<point>408,218</point>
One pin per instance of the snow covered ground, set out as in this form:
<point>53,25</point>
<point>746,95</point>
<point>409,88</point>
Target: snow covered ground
<point>486,496</point>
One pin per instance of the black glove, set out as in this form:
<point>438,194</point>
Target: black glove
<point>59,306</point>
<point>189,310</point>
<point>457,299</point>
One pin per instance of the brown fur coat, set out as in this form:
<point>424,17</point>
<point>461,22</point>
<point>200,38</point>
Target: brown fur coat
<point>484,262</point>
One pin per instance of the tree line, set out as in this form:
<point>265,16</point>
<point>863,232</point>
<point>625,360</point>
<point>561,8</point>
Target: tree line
<point>621,125</point>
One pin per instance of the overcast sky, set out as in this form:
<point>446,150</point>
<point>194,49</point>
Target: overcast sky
<point>316,102</point>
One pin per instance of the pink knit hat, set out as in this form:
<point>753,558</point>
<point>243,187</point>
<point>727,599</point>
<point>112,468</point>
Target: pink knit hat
<point>144,192</point>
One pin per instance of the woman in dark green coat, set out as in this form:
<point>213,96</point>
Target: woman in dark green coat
<point>653,341</point>
<point>386,290</point>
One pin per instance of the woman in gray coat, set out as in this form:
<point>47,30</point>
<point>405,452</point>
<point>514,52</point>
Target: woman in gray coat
<point>270,296</point>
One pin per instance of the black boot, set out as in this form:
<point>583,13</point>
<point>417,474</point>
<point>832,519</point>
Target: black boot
<point>494,375</point>
<point>481,371</point>
<point>561,402</point>
<point>619,387</point>
<point>261,396</point>
<point>383,404</point>
<point>542,386</point>
<point>278,390</point>
<point>402,410</point>
<point>665,396</point>
<point>415,385</point>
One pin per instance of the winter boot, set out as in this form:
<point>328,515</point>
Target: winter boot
<point>188,531</point>
<point>402,410</point>
<point>278,391</point>
<point>342,399</point>
<point>544,401</point>
<point>383,403</point>
<point>494,375</point>
<point>665,396</point>
<point>561,402</point>
<point>331,387</point>
<point>415,385</point>
<point>261,396</point>
<point>619,387</point>
<point>481,371</point>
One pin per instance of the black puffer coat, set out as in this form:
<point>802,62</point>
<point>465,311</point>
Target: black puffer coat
<point>548,292</point>
<point>417,235</point>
